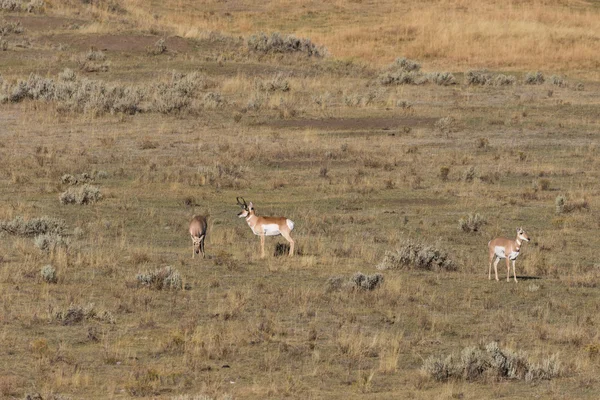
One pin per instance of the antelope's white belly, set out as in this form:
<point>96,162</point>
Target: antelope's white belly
<point>267,230</point>
<point>501,253</point>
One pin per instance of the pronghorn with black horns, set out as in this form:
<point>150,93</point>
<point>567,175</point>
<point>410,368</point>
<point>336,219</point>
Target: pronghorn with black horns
<point>266,226</point>
<point>508,249</point>
<point>198,227</point>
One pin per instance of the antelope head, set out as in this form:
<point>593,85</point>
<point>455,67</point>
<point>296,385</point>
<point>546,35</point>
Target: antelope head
<point>245,207</point>
<point>197,243</point>
<point>522,235</point>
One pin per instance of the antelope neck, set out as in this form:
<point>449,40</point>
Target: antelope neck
<point>518,245</point>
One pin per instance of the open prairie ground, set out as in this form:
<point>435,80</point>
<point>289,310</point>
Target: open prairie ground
<point>120,120</point>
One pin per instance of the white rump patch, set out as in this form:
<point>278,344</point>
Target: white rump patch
<point>290,224</point>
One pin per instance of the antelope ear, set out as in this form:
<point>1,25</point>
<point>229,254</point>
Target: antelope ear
<point>250,205</point>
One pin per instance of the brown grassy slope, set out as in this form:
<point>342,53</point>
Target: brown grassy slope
<point>356,165</point>
<point>554,35</point>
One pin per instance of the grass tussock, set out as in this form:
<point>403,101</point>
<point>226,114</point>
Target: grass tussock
<point>419,256</point>
<point>476,363</point>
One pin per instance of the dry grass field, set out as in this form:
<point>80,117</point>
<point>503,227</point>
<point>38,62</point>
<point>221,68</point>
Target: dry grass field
<point>121,119</point>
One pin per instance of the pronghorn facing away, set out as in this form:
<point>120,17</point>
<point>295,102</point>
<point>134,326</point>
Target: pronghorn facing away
<point>198,228</point>
<point>266,226</point>
<point>507,249</point>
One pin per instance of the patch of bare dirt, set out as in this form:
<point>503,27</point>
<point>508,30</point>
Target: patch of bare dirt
<point>355,124</point>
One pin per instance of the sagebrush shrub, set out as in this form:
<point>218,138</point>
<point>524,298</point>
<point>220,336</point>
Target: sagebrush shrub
<point>33,227</point>
<point>49,241</point>
<point>478,77</point>
<point>558,80</point>
<point>86,194</point>
<point>48,274</point>
<point>534,78</point>
<point>166,278</point>
<point>278,83</point>
<point>471,223</point>
<point>75,314</point>
<point>476,362</point>
<point>414,255</point>
<point>278,43</point>
<point>358,281</point>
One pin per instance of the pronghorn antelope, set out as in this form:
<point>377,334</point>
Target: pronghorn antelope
<point>266,226</point>
<point>198,228</point>
<point>507,249</point>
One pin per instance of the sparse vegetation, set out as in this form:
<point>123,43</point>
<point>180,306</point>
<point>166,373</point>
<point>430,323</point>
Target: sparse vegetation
<point>474,363</point>
<point>34,226</point>
<point>86,194</point>
<point>166,278</point>
<point>48,274</point>
<point>279,43</point>
<point>534,78</point>
<point>358,281</point>
<point>415,255</point>
<point>471,223</point>
<point>360,166</point>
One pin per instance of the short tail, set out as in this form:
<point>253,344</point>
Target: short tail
<point>290,224</point>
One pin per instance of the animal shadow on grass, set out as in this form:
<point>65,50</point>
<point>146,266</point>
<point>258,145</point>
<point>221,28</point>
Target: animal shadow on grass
<point>283,249</point>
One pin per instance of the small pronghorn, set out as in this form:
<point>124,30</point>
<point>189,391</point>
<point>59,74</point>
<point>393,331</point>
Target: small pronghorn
<point>198,227</point>
<point>507,249</point>
<point>266,226</point>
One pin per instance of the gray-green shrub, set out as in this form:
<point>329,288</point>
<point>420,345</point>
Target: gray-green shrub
<point>48,274</point>
<point>415,255</point>
<point>33,227</point>
<point>471,223</point>
<point>49,241</point>
<point>476,362</point>
<point>534,78</point>
<point>86,194</point>
<point>166,278</point>
<point>279,43</point>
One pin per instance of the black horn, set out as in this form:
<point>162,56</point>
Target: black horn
<point>244,205</point>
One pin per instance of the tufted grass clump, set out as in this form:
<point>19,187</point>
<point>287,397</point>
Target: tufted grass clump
<point>50,241</point>
<point>48,273</point>
<point>279,43</point>
<point>33,227</point>
<point>471,223</point>
<point>474,363</point>
<point>412,255</point>
<point>166,278</point>
<point>534,78</point>
<point>86,194</point>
